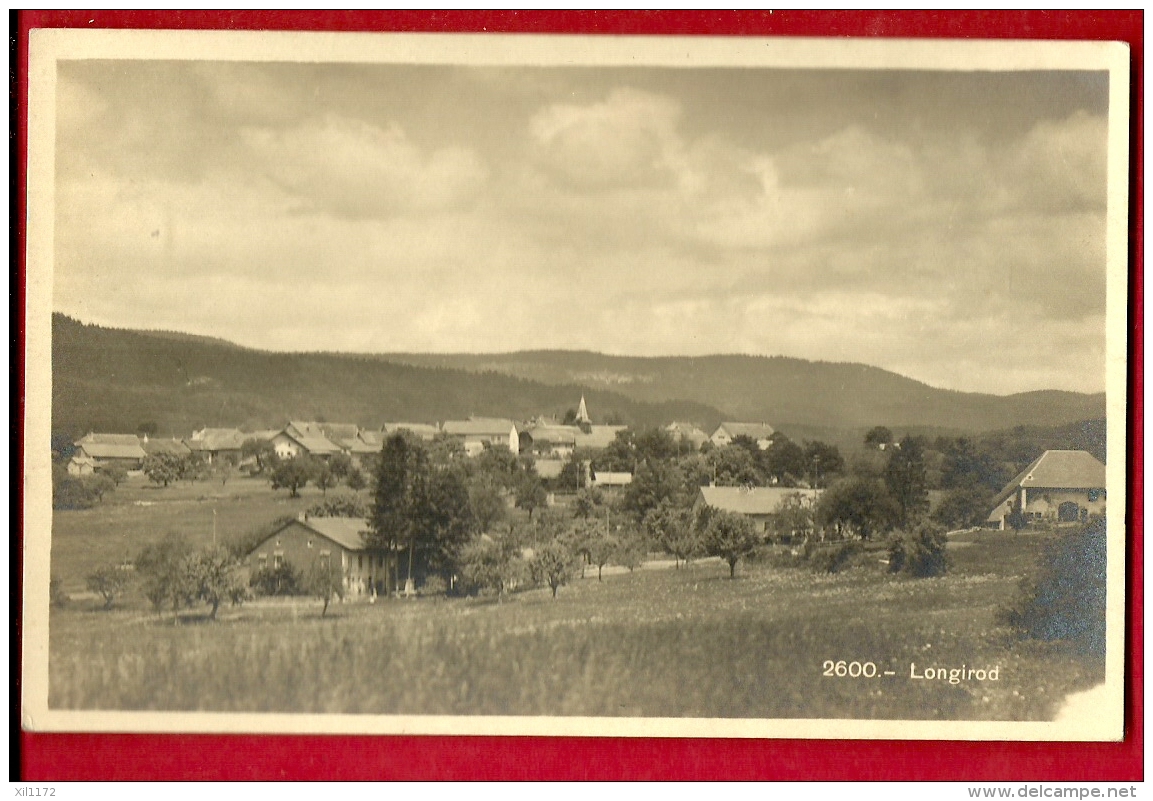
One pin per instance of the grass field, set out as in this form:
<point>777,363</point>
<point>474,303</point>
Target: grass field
<point>139,513</point>
<point>686,642</point>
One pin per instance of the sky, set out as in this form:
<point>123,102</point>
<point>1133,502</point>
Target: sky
<point>947,226</point>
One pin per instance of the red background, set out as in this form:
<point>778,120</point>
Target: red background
<point>61,757</point>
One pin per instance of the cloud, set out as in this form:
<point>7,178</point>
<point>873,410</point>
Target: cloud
<point>627,140</point>
<point>356,169</point>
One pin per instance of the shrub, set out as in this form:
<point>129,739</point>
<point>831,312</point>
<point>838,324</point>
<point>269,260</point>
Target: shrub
<point>921,553</point>
<point>283,580</point>
<point>1066,598</point>
<point>837,558</point>
<point>343,505</point>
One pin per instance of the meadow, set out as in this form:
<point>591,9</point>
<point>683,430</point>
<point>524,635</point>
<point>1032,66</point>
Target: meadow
<point>654,642</point>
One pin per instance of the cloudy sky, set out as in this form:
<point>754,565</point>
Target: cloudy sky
<point>947,226</point>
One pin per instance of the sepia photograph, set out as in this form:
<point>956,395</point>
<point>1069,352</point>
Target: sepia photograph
<point>632,386</point>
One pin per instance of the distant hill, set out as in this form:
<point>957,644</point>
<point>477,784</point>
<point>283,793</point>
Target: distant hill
<point>117,380</point>
<point>107,379</point>
<point>783,391</point>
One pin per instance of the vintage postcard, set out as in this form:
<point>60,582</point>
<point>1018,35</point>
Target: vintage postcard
<point>643,386</point>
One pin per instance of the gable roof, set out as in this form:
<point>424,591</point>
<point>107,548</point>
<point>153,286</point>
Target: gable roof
<point>478,427</point>
<point>215,439</point>
<point>553,434</point>
<point>111,446</point>
<point>311,437</point>
<point>752,500</point>
<point>687,431</point>
<point>154,446</point>
<point>1057,470</point>
<point>754,431</point>
<point>598,436</point>
<point>347,532</point>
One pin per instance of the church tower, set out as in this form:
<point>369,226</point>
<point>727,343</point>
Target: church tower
<point>583,412</point>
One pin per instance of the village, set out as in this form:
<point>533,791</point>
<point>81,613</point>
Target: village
<point>769,491</point>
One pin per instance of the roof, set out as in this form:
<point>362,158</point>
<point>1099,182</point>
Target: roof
<point>687,431</point>
<point>752,500</point>
<point>754,431</point>
<point>264,434</point>
<point>216,439</point>
<point>1057,470</point>
<point>111,446</point>
<point>478,427</point>
<point>612,479</point>
<point>154,446</point>
<point>347,532</point>
<point>598,436</point>
<point>554,434</point>
<point>339,431</point>
<point>311,437</point>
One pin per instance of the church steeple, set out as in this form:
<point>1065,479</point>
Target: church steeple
<point>582,415</point>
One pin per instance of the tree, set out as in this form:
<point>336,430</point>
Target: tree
<point>794,518</point>
<point>491,563</point>
<point>672,527</point>
<point>530,494</point>
<point>600,545</point>
<point>160,567</point>
<point>860,506</point>
<point>821,462</point>
<point>588,503</point>
<point>652,484</point>
<point>340,464</point>
<point>393,497</point>
<point>444,522</point>
<point>879,437</point>
<point>109,582</point>
<point>488,505</point>
<point>212,577</point>
<point>293,474</point>
<point>730,536</point>
<point>554,564</point>
<point>261,452</point>
<point>735,464</point>
<point>164,468</point>
<point>115,472</point>
<point>324,477</point>
<point>355,479</point>
<point>963,507</point>
<point>905,477</point>
<point>99,485</point>
<point>920,552</point>
<point>784,460</point>
<point>322,581</point>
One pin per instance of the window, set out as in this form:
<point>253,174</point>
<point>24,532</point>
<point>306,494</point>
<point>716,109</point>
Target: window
<point>310,543</point>
<point>359,561</point>
<point>277,561</point>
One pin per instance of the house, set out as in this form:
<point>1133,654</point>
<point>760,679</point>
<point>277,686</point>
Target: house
<point>477,433</point>
<point>299,438</point>
<point>606,480</point>
<point>81,465</point>
<point>549,440</point>
<point>108,450</point>
<point>337,541</point>
<point>758,504</point>
<point>1058,487</point>
<point>349,439</point>
<point>215,443</point>
<point>760,433</point>
<point>687,432</point>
